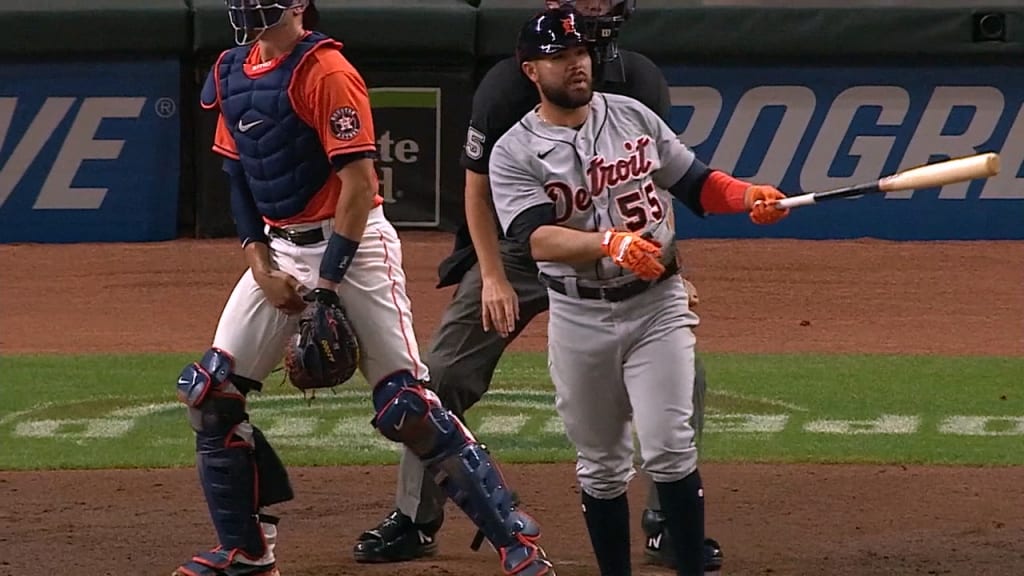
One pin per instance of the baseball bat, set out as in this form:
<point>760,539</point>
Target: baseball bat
<point>926,176</point>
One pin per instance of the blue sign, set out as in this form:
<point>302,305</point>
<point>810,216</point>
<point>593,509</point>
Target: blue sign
<point>89,152</point>
<point>811,129</point>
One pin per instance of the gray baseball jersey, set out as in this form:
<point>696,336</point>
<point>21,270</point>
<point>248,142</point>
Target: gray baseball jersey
<point>612,172</point>
<point>611,362</point>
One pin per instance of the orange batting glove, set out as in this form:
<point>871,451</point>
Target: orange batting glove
<point>631,251</point>
<point>760,199</point>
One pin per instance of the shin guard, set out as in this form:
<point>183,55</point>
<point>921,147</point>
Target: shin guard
<point>274,486</point>
<point>228,474</point>
<point>238,470</point>
<point>409,413</point>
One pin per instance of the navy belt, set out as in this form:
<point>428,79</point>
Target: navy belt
<point>610,293</point>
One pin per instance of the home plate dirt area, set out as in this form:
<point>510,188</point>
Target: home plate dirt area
<point>760,296</point>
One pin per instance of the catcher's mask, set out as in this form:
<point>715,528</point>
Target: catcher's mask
<point>599,21</point>
<point>548,33</point>
<point>251,18</point>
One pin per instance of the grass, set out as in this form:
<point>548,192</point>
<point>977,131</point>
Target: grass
<point>104,411</point>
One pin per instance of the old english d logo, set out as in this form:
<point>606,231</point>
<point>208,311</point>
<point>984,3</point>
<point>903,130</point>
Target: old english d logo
<point>569,25</point>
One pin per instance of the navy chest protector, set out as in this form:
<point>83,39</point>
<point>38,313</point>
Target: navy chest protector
<point>284,161</point>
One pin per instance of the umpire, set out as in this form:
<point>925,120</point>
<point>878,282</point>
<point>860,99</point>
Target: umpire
<point>499,292</point>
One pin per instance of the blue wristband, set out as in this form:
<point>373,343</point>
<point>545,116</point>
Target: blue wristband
<point>337,257</point>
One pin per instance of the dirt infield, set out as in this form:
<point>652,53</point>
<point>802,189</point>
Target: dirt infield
<point>756,296</point>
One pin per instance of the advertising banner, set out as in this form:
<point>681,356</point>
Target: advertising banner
<point>811,129</point>
<point>89,152</point>
<point>408,125</point>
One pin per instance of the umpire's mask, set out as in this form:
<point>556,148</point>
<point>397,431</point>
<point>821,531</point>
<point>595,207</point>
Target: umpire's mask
<point>599,21</point>
<point>251,18</point>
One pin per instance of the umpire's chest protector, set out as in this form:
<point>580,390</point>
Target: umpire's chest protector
<point>282,155</point>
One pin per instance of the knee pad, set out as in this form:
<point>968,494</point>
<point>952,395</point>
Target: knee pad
<point>409,413</point>
<point>238,469</point>
<point>212,374</point>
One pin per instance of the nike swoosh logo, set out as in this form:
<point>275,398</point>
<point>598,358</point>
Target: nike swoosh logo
<point>246,127</point>
<point>401,422</point>
<point>183,380</point>
<point>541,155</point>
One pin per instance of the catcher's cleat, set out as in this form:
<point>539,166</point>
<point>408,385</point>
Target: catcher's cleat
<point>218,562</point>
<point>657,549</point>
<point>397,539</point>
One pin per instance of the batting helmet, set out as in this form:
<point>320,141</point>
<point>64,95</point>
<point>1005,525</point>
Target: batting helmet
<point>250,18</point>
<point>548,33</point>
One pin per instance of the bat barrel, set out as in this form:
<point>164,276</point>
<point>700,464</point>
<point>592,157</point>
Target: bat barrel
<point>930,175</point>
<point>942,173</point>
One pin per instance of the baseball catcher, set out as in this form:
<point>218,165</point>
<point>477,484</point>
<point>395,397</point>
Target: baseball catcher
<point>295,129</point>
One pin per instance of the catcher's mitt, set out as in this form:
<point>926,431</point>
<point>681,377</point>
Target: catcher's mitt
<point>324,353</point>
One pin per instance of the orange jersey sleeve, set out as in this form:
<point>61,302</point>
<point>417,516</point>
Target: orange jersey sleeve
<point>334,100</point>
<point>329,94</point>
<point>223,141</point>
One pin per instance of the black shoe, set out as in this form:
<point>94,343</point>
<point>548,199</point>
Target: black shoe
<point>397,539</point>
<point>657,549</point>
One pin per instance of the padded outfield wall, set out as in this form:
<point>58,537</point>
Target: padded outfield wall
<point>102,139</point>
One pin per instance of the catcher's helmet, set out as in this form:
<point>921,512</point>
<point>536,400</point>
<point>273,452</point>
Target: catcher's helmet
<point>548,33</point>
<point>600,21</point>
<point>250,18</point>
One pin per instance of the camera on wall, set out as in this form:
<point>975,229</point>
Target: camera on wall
<point>989,27</point>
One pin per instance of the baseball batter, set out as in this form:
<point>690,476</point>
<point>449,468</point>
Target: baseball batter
<point>296,131</point>
<point>499,292</point>
<point>587,180</point>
